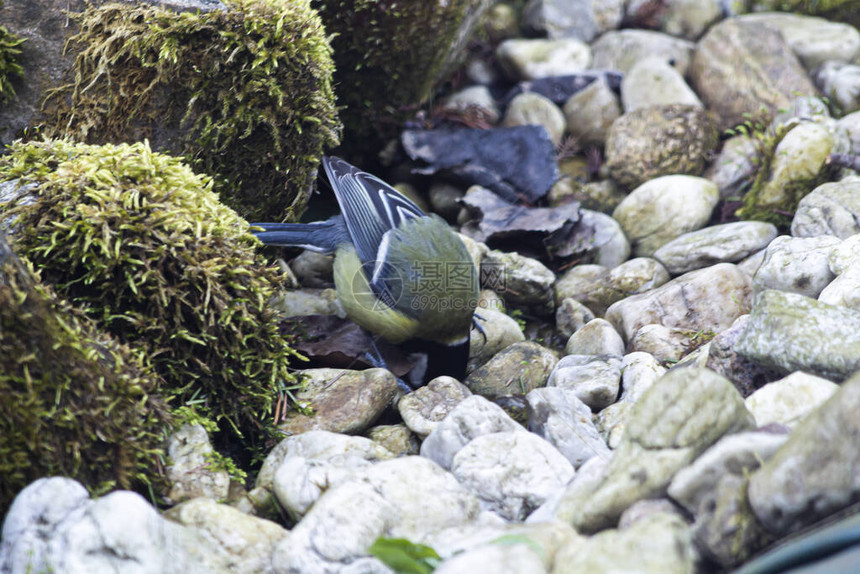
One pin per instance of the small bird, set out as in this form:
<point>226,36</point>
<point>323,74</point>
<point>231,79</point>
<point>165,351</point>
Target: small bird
<point>398,272</point>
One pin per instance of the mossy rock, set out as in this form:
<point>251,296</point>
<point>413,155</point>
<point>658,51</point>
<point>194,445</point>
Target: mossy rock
<point>10,51</point>
<point>75,402</point>
<point>390,56</point>
<point>145,247</point>
<point>244,94</point>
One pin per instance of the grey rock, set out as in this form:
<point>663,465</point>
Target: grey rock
<point>844,290</point>
<point>689,19</point>
<point>840,83</point>
<point>473,417</point>
<point>598,337</point>
<point>342,401</point>
<point>817,471</point>
<point>507,559</point>
<point>609,247</point>
<point>738,454</point>
<point>474,99</point>
<point>423,408</point>
<point>644,509</point>
<point>723,358</point>
<point>529,59</point>
<point>558,416</point>
<point>534,109</point>
<point>726,243</point>
<point>570,316</point>
<point>851,124</point>
<point>829,209</point>
<point>813,40</point>
<point>517,370</point>
<point>190,470</point>
<point>661,542</point>
<point>638,372</point>
<point>511,473</point>
<point>300,468</point>
<point>654,81</point>
<point>580,19</point>
<point>735,166</point>
<point>844,255</point>
<point>704,300</point>
<point>791,332</point>
<point>659,140</point>
<point>499,331</point>
<point>664,208</point>
<point>526,281</point>
<point>666,344</point>
<point>790,399</point>
<point>680,416</point>
<point>591,112</point>
<point>619,50</point>
<point>397,439</point>
<point>593,379</point>
<point>797,265</point>
<point>740,67</point>
<point>598,288</point>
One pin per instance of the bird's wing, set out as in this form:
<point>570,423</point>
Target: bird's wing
<point>370,207</point>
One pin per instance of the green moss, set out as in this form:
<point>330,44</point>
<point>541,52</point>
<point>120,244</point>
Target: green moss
<point>9,66</point>
<point>144,246</point>
<point>75,402</point>
<point>244,95</point>
<point>389,57</point>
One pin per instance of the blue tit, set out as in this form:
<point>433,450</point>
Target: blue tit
<point>398,272</point>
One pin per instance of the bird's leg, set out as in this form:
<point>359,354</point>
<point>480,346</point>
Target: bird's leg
<point>377,361</point>
<point>478,327</point>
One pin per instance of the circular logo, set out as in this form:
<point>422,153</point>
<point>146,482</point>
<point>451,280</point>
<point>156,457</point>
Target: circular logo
<point>375,288</point>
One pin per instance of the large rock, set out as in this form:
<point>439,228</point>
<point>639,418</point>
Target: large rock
<point>817,471</point>
<point>660,210</point>
<point>795,333</point>
<point>620,49</point>
<point>796,264</point>
<point>655,82</point>
<point>740,67</point>
<point>676,419</point>
<point>708,299</point>
<point>726,243</point>
<point>658,140</point>
<point>830,209</point>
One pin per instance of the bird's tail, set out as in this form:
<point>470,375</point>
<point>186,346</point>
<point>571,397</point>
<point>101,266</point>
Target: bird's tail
<point>322,236</point>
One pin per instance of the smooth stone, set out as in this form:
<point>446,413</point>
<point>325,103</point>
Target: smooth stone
<point>498,331</point>
<point>814,40</point>
<point>397,439</point>
<point>660,140</point>
<point>473,417</point>
<point>796,264</point>
<point>791,332</point>
<point>844,290</point>
<point>638,372</point>
<point>655,82</point>
<point>525,281</point>
<point>621,49</point>
<point>840,83</point>
<point>474,99</point>
<point>610,247</point>
<point>597,337</point>
<point>591,112</point>
<point>534,109</point>
<point>511,473</point>
<point>425,407</point>
<point>190,470</point>
<point>677,418</point>
<point>559,417</point>
<point>735,166</point>
<point>666,344</point>
<point>814,474</point>
<point>829,209</point>
<point>664,208</point>
<point>790,399</point>
<point>740,67</point>
<point>844,255</point>
<point>570,316</point>
<point>689,19</point>
<point>529,59</point>
<point>580,19</point>
<point>517,370</point>
<point>708,299</point>
<point>593,379</point>
<point>725,243</point>
<point>598,288</point>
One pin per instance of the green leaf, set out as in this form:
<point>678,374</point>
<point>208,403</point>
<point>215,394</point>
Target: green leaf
<point>404,556</point>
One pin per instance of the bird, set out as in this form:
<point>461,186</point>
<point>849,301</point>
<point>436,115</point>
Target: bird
<point>398,272</point>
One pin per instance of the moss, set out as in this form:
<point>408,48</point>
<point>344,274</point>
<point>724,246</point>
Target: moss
<point>9,66</point>
<point>75,402</point>
<point>142,244</point>
<point>389,57</point>
<point>244,95</point>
